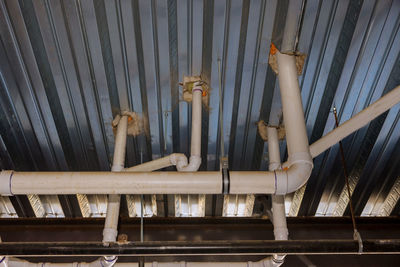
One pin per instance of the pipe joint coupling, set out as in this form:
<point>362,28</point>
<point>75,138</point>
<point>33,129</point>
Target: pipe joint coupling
<point>5,183</point>
<point>179,160</point>
<point>281,182</point>
<point>194,164</point>
<point>197,87</point>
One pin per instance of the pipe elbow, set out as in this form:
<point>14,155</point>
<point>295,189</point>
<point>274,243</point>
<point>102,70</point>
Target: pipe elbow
<point>194,164</point>
<point>298,173</point>
<point>178,159</point>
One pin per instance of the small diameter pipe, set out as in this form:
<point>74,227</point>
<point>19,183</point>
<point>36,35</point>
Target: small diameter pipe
<point>110,231</point>
<point>195,147</point>
<point>278,201</point>
<point>175,159</point>
<point>120,145</point>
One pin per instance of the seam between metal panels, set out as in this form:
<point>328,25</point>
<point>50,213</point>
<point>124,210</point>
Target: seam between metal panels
<point>67,86</point>
<point>92,75</point>
<point>253,79</point>
<point>157,74</point>
<point>53,163</point>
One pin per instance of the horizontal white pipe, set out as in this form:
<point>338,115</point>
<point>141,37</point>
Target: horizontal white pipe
<point>101,262</point>
<point>203,182</point>
<point>13,262</point>
<point>44,183</point>
<point>356,122</point>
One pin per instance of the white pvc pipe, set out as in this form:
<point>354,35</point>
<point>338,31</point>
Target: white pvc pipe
<point>13,262</point>
<point>278,182</point>
<point>195,147</point>
<point>300,161</point>
<point>206,182</point>
<point>101,262</point>
<point>278,201</point>
<point>293,115</point>
<point>175,159</point>
<point>358,121</point>
<point>110,232</point>
<point>273,149</point>
<point>120,145</point>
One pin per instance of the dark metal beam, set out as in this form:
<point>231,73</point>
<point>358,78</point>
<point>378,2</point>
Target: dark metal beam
<point>195,229</point>
<point>169,248</point>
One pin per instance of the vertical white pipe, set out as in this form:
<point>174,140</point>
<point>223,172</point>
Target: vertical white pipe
<point>293,114</point>
<point>120,145</point>
<point>110,227</point>
<point>195,147</point>
<point>300,161</point>
<point>273,149</point>
<point>278,201</point>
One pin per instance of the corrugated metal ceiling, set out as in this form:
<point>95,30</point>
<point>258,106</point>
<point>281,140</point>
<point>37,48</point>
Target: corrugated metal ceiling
<point>68,67</point>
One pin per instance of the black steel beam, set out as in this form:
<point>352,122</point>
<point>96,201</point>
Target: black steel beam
<point>251,247</point>
<point>194,229</point>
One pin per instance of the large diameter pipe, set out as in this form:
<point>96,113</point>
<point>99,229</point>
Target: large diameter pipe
<point>300,161</point>
<point>58,183</point>
<point>293,115</point>
<point>358,121</point>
